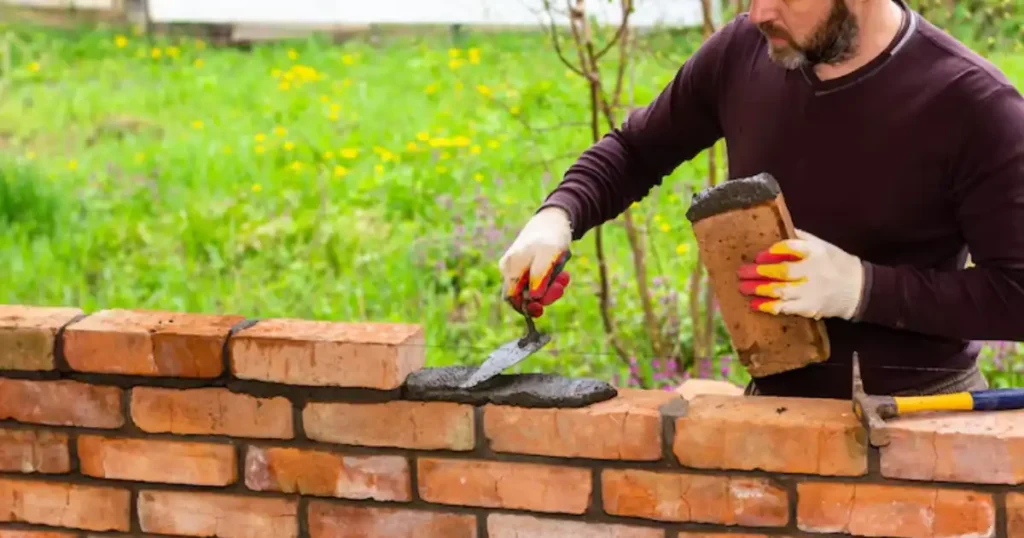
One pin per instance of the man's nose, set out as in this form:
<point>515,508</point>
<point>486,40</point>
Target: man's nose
<point>762,11</point>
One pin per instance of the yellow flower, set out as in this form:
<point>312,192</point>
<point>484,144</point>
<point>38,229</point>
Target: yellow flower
<point>173,52</point>
<point>280,131</point>
<point>664,227</point>
<point>295,166</point>
<point>514,110</point>
<point>474,55</point>
<point>328,155</point>
<point>493,144</point>
<point>461,141</point>
<point>199,62</point>
<point>682,248</point>
<point>140,156</point>
<point>197,124</point>
<point>379,168</point>
<point>412,146</point>
<point>484,90</point>
<point>30,155</point>
<point>340,171</point>
<point>478,177</point>
<point>259,148</point>
<point>120,41</point>
<point>289,145</point>
<point>347,59</point>
<point>155,53</point>
<point>73,164</point>
<point>34,67</point>
<point>350,153</point>
<point>455,63</point>
<point>256,187</point>
<point>260,137</point>
<point>454,53</point>
<point>293,54</point>
<point>431,89</point>
<point>422,136</point>
<point>284,86</point>
<point>475,150</point>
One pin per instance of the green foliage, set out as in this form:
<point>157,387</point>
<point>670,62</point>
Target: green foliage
<point>313,180</point>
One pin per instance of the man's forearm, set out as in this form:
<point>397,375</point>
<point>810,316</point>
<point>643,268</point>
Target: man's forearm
<point>624,165</point>
<point>973,304</point>
<point>594,188</point>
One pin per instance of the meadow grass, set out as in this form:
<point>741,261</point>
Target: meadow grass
<point>314,180</point>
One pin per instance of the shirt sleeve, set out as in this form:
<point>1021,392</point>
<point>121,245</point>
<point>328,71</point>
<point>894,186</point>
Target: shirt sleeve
<point>986,301</point>
<point>651,143</point>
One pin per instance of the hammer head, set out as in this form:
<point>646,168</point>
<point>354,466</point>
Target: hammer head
<point>871,410</point>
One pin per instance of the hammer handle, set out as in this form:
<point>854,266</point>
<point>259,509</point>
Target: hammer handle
<point>981,400</point>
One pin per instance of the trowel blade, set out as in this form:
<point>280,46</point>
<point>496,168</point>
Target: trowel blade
<point>505,357</point>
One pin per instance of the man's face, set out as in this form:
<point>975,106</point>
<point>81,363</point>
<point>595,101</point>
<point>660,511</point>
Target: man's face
<point>806,31</point>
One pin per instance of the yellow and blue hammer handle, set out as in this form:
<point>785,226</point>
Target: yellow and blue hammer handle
<point>981,400</point>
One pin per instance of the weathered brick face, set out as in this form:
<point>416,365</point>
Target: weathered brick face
<point>308,433</point>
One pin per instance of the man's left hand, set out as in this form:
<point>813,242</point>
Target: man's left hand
<point>806,277</point>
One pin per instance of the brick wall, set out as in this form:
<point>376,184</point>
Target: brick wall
<point>129,423</point>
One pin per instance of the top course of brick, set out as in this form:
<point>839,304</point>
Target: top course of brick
<point>206,346</point>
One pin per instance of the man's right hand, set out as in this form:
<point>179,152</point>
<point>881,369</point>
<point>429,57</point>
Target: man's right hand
<point>535,259</point>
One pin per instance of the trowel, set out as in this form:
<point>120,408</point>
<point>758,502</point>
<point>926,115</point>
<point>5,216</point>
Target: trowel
<point>513,352</point>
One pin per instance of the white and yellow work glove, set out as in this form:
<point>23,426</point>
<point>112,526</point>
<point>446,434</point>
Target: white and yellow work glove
<point>531,268</point>
<point>807,277</point>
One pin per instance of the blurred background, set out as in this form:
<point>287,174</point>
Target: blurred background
<point>338,160</point>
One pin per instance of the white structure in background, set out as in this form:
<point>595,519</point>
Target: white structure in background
<point>325,13</point>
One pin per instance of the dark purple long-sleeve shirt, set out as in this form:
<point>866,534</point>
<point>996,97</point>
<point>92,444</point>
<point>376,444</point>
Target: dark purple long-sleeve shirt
<point>909,163</point>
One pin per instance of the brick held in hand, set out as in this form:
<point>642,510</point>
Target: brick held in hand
<point>732,222</point>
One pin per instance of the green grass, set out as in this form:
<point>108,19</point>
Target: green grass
<point>313,180</point>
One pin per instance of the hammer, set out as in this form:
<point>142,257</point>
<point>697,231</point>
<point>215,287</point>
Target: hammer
<point>873,411</point>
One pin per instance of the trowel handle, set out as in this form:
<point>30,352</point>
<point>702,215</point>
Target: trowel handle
<point>559,265</point>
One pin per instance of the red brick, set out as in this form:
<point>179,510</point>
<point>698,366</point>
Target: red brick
<point>34,451</point>
<point>627,427</point>
<point>979,448</point>
<point>404,424</point>
<point>150,343</point>
<point>61,403</point>
<point>679,497</point>
<point>785,435</point>
<point>521,526</point>
<point>896,511</point>
<point>340,521</point>
<point>28,335</point>
<point>1015,514</point>
<point>8,533</point>
<point>729,535</point>
<point>217,514</point>
<point>494,484</point>
<point>72,506</point>
<point>211,411</point>
<point>153,460</point>
<point>316,352</point>
<point>313,472</point>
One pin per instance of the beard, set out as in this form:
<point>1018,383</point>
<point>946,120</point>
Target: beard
<point>831,42</point>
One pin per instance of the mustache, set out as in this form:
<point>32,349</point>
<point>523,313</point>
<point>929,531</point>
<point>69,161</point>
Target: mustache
<point>771,31</point>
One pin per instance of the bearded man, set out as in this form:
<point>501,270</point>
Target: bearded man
<point>899,151</point>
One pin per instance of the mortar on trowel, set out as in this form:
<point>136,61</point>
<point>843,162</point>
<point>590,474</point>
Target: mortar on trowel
<point>733,222</point>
